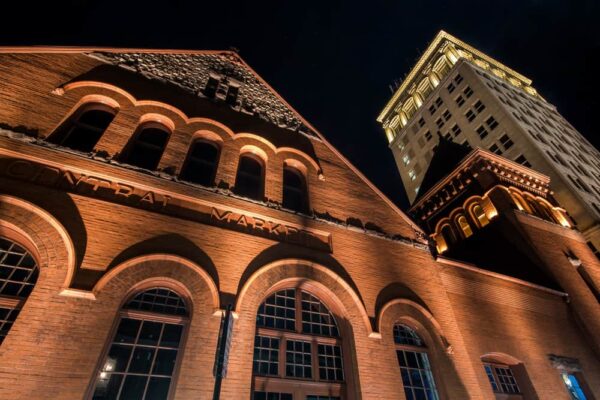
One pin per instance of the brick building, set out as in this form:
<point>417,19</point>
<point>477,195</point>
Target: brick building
<point>144,192</point>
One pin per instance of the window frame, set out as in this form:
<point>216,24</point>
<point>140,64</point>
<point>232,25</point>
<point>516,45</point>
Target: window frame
<point>183,320</point>
<point>262,178</point>
<point>134,140</point>
<point>189,158</point>
<point>423,348</point>
<point>304,387</point>
<point>65,129</point>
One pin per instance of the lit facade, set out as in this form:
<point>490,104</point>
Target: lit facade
<point>456,91</point>
<point>143,193</point>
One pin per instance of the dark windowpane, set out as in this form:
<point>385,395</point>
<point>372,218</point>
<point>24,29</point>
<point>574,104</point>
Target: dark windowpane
<point>141,360</point>
<point>171,336</point>
<point>83,132</point>
<point>127,331</point>
<point>201,164</point>
<point>150,333</point>
<point>165,362</point>
<point>133,387</point>
<point>294,190</point>
<point>118,357</point>
<point>156,300</point>
<point>249,178</point>
<point>146,148</point>
<point>158,389</point>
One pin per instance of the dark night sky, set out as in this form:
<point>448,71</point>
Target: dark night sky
<point>334,61</point>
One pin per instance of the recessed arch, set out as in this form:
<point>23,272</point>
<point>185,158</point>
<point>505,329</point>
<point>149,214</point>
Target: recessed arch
<point>252,136</point>
<point>256,151</point>
<point>114,272</point>
<point>58,227</point>
<point>303,155</point>
<point>264,270</point>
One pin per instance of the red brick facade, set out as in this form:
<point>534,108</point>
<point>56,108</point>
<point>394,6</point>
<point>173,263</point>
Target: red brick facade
<point>101,231</point>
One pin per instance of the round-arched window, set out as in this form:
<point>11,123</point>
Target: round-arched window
<point>201,164</point>
<point>142,357</point>
<point>297,338</point>
<point>18,275</point>
<point>146,147</point>
<point>415,368</point>
<point>295,196</point>
<point>249,181</point>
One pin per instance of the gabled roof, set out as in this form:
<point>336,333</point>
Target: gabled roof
<point>174,66</point>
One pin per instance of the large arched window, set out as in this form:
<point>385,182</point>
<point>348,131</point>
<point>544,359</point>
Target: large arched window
<point>201,164</point>
<point>85,128</point>
<point>448,234</point>
<point>415,368</point>
<point>143,355</point>
<point>18,274</point>
<point>249,181</point>
<point>297,349</point>
<point>295,196</point>
<point>146,147</point>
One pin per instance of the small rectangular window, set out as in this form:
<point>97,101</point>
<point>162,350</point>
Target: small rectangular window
<point>447,115</point>
<point>421,122</point>
<point>495,149</point>
<point>460,100</point>
<point>468,92</point>
<point>470,115</point>
<point>506,142</point>
<point>406,159</point>
<point>482,132</point>
<point>428,135</point>
<point>479,106</point>
<point>456,130</point>
<point>439,122</point>
<point>458,79</point>
<point>491,123</point>
<point>451,87</point>
<point>298,359</point>
<point>522,160</point>
<point>412,174</point>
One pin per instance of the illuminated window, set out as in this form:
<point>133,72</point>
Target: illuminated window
<point>249,181</point>
<point>412,174</point>
<point>415,368</point>
<point>464,226</point>
<point>297,337</point>
<point>85,128</point>
<point>479,214</point>
<point>145,349</point>
<point>406,159</point>
<point>146,147</point>
<point>201,164</point>
<point>295,196</point>
<point>18,275</point>
<point>501,378</point>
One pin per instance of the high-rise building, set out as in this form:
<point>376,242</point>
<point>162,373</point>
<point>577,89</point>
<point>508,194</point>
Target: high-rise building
<point>458,92</point>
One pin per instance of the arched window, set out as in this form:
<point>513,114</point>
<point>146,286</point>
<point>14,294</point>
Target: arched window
<point>415,368</point>
<point>297,337</point>
<point>545,211</point>
<point>146,147</point>
<point>519,201</point>
<point>501,378</point>
<point>479,214</point>
<point>448,235</point>
<point>249,181</point>
<point>143,355</point>
<point>18,274</point>
<point>464,226</point>
<point>201,164</point>
<point>295,196</point>
<point>85,128</point>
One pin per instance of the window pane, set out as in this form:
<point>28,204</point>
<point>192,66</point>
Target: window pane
<point>405,335</point>
<point>165,362</point>
<point>108,387</point>
<point>278,311</point>
<point>298,359</point>
<point>141,360</point>
<point>416,375</point>
<point>133,387</point>
<point>266,355</point>
<point>118,358</point>
<point>171,336</point>
<point>127,331</point>
<point>330,363</point>
<point>316,318</point>
<point>158,389</point>
<point>159,300</point>
<point>249,178</point>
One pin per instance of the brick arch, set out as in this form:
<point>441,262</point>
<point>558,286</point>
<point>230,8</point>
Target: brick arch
<point>51,241</point>
<point>251,293</point>
<point>320,281</point>
<point>440,351</point>
<point>186,279</point>
<point>199,273</point>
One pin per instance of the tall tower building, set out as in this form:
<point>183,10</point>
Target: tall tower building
<point>455,91</point>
